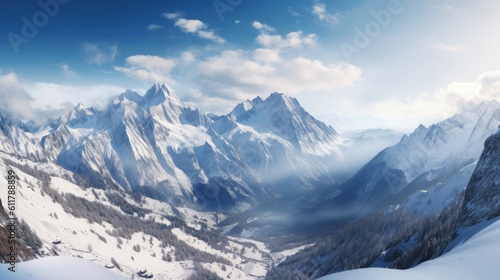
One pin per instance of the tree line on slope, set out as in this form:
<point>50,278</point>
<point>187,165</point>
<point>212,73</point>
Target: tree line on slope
<point>126,225</point>
<point>360,243</point>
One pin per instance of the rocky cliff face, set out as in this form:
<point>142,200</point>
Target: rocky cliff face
<point>482,196</point>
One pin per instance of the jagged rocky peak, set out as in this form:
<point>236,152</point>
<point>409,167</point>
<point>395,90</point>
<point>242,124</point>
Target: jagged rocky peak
<point>79,111</point>
<point>160,93</point>
<point>130,95</point>
<point>243,110</point>
<point>482,196</point>
<point>276,104</point>
<point>80,114</point>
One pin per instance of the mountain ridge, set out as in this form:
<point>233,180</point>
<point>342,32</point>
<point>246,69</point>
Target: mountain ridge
<point>155,145</point>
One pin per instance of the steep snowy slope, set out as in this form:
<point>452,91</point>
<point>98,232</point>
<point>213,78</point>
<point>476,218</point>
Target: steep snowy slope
<point>157,146</point>
<point>280,140</point>
<point>427,158</point>
<point>475,258</point>
<point>109,228</point>
<point>15,139</point>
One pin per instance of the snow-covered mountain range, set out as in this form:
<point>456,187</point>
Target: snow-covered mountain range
<point>430,166</point>
<point>157,146</point>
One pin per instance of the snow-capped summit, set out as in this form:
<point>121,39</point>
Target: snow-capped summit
<point>160,93</point>
<point>130,95</point>
<point>278,134</point>
<point>156,145</point>
<point>283,116</point>
<point>79,115</point>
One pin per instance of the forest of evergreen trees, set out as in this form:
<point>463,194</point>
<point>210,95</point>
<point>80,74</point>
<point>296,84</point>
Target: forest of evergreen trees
<point>128,224</point>
<point>360,243</point>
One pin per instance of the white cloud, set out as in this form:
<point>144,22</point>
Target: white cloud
<point>147,68</point>
<point>171,15</point>
<point>207,104</point>
<point>261,26</point>
<point>67,72</point>
<point>292,40</point>
<point>210,35</point>
<point>154,27</point>
<point>188,57</point>
<point>199,28</point>
<point>14,100</point>
<point>67,96</point>
<point>40,102</point>
<point>266,55</point>
<point>100,54</point>
<point>319,10</point>
<point>237,22</point>
<point>234,75</point>
<point>189,25</point>
<point>447,48</point>
<point>435,106</point>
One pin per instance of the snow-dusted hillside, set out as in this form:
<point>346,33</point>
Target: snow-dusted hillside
<point>427,160</point>
<point>87,223</point>
<point>59,268</point>
<point>474,256</point>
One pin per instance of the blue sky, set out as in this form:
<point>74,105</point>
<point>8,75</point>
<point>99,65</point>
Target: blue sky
<point>358,64</point>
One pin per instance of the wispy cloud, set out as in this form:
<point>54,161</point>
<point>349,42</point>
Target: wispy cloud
<point>188,57</point>
<point>189,25</point>
<point>240,74</point>
<point>262,26</point>
<point>292,12</point>
<point>154,27</point>
<point>67,72</point>
<point>447,47</point>
<point>194,26</point>
<point>292,40</point>
<point>429,107</point>
<point>148,68</point>
<point>172,15</point>
<point>14,100</point>
<point>319,10</point>
<point>100,54</point>
<point>32,103</point>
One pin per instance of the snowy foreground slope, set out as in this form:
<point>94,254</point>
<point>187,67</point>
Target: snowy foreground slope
<point>99,242</point>
<point>474,258</point>
<point>58,268</point>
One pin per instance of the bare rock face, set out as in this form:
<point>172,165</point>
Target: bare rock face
<point>482,196</point>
